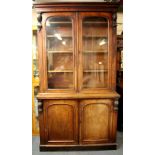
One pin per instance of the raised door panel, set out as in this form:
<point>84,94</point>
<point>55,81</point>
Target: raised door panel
<point>95,121</point>
<point>61,121</point>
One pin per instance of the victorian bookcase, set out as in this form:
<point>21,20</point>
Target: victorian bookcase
<point>77,70</point>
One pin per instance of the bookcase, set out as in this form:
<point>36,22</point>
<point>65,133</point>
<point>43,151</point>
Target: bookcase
<point>77,71</point>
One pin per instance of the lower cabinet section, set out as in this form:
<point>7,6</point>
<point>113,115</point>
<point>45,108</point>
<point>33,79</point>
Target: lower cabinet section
<point>78,123</point>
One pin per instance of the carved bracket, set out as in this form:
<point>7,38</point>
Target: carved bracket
<point>39,19</point>
<point>40,106</point>
<point>114,20</point>
<point>116,105</point>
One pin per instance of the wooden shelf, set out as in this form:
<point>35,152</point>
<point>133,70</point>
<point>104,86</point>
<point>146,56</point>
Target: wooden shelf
<point>84,36</point>
<point>94,36</point>
<point>60,22</point>
<point>95,52</point>
<point>62,36</point>
<point>94,22</point>
<point>60,71</point>
<point>50,51</point>
<point>94,71</point>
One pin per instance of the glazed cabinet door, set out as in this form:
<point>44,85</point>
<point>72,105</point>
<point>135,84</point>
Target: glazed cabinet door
<point>95,51</point>
<point>61,122</point>
<point>59,66</point>
<point>95,121</point>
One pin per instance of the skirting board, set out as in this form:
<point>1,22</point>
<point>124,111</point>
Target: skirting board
<point>107,146</point>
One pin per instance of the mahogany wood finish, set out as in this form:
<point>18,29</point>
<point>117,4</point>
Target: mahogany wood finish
<point>44,64</point>
<point>61,121</point>
<point>94,128</point>
<point>77,117</point>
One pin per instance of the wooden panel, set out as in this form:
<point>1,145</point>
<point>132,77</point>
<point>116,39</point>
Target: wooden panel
<point>61,121</point>
<point>101,94</point>
<point>95,121</point>
<point>76,6</point>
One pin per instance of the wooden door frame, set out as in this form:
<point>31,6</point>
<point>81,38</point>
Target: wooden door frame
<point>110,54</point>
<point>48,103</point>
<point>86,102</point>
<point>43,54</point>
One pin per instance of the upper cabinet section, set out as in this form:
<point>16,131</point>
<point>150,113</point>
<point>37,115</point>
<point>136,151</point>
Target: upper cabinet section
<point>59,47</point>
<point>77,47</point>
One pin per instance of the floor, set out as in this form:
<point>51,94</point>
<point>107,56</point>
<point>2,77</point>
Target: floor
<point>119,151</point>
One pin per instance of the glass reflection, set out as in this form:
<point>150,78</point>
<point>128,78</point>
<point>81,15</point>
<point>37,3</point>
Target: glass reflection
<point>59,53</point>
<point>95,52</point>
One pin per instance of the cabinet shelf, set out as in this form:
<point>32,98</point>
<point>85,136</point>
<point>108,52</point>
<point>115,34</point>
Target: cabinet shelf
<point>94,71</point>
<point>94,22</point>
<point>60,22</point>
<point>95,51</point>
<point>50,51</point>
<point>85,36</point>
<point>95,36</point>
<point>60,71</point>
<point>63,36</point>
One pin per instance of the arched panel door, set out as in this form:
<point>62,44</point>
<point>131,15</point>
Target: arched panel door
<point>95,121</point>
<point>61,121</point>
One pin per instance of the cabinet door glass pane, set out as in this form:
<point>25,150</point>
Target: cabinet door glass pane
<point>95,52</point>
<point>59,47</point>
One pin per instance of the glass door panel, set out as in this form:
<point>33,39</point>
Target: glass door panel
<point>95,52</point>
<point>59,45</point>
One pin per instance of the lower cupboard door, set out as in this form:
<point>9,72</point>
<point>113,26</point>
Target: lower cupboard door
<point>61,122</point>
<point>95,121</point>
